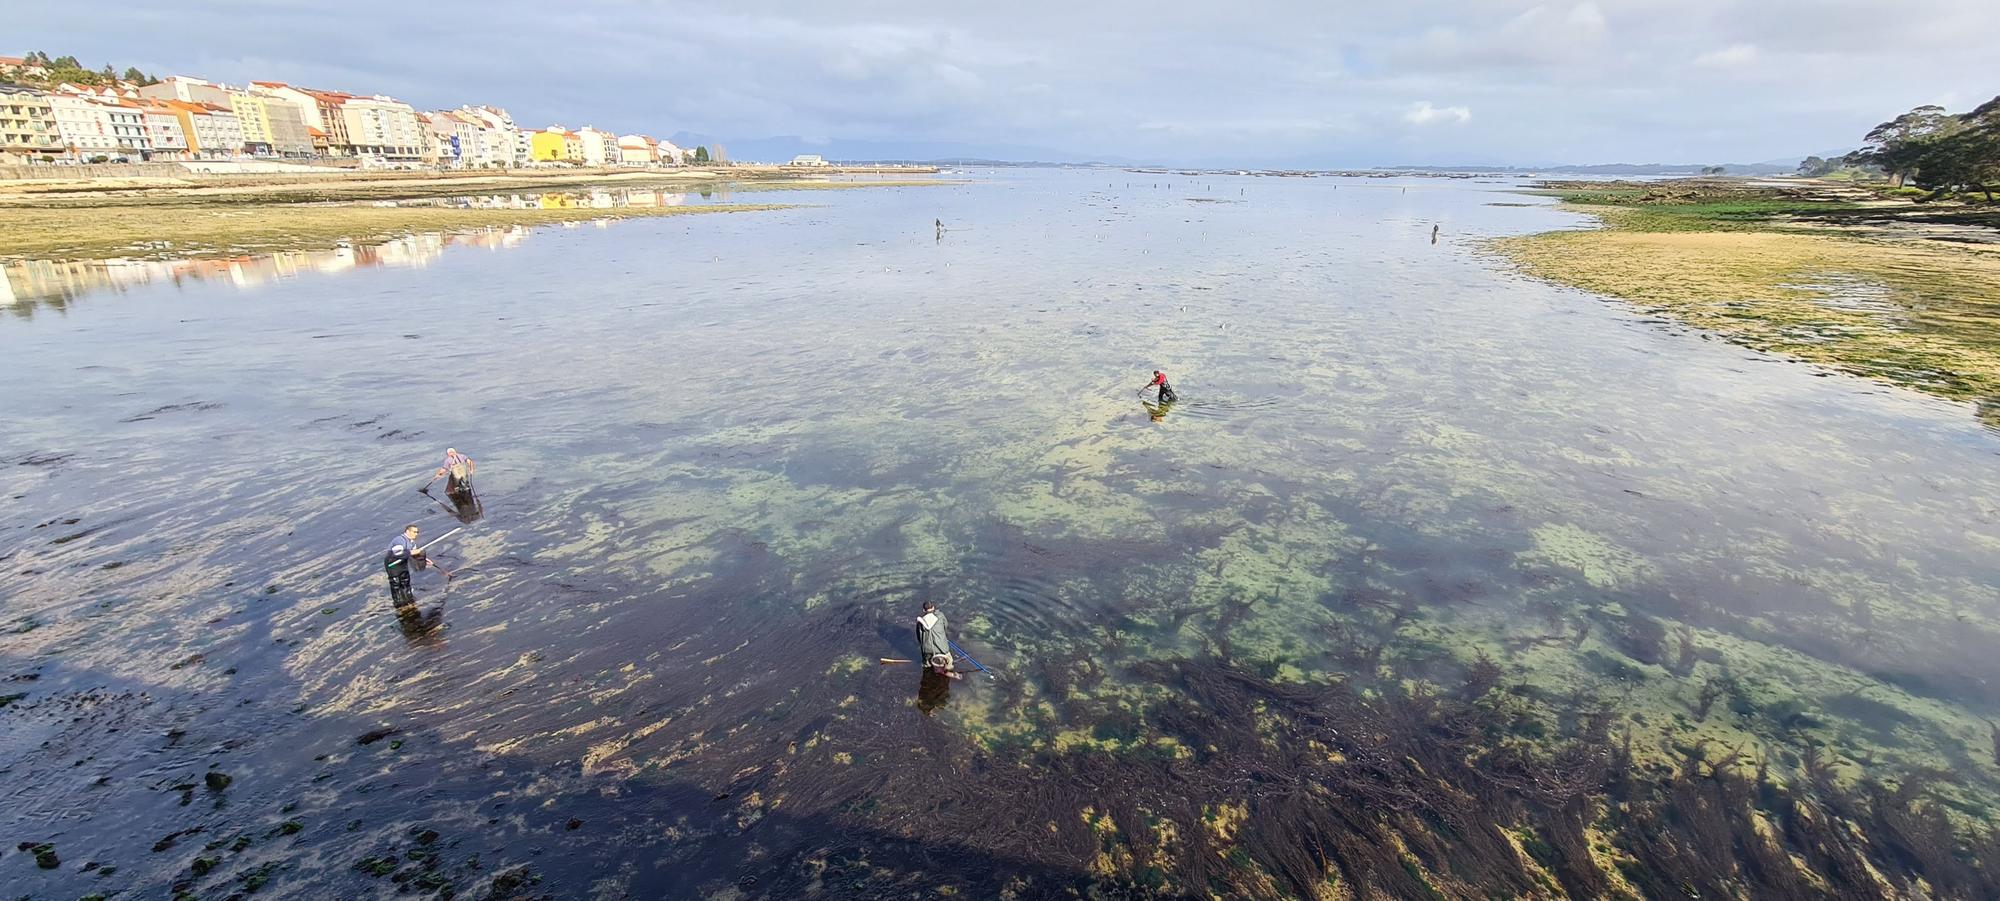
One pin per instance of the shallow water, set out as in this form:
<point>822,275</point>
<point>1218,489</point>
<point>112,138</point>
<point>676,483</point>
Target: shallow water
<point>723,458</point>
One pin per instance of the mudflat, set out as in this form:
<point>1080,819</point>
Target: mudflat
<point>1894,291</point>
<point>232,215</point>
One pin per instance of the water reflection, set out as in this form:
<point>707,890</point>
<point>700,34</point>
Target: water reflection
<point>933,691</point>
<point>1424,540</point>
<point>595,199</point>
<point>28,284</point>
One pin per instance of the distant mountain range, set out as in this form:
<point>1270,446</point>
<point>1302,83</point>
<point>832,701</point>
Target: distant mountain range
<point>783,147</point>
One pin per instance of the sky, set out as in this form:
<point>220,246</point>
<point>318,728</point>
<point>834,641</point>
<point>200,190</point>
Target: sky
<point>1326,83</point>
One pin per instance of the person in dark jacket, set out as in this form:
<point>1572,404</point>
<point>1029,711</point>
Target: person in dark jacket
<point>1159,381</point>
<point>933,642</point>
<point>403,553</point>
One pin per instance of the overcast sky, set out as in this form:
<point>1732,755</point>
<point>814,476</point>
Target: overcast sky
<point>1309,82</point>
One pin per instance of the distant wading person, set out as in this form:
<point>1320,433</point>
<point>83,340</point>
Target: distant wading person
<point>1159,381</point>
<point>460,467</point>
<point>933,642</point>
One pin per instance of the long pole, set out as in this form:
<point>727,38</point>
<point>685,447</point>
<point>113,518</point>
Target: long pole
<point>968,657</point>
<point>434,541</point>
<point>428,544</point>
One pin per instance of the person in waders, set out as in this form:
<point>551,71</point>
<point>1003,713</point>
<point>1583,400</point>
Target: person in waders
<point>1159,381</point>
<point>460,467</point>
<point>934,643</point>
<point>403,553</point>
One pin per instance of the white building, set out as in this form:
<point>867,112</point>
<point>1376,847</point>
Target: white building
<point>524,147</point>
<point>218,134</point>
<point>638,150</point>
<point>382,127</point>
<point>83,124</point>
<point>164,130</point>
<point>128,128</point>
<point>671,155</point>
<point>807,159</point>
<point>600,148</point>
<point>188,90</point>
<point>500,141</point>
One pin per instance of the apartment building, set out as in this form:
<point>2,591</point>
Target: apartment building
<point>213,132</point>
<point>319,110</point>
<point>382,127</point>
<point>82,125</point>
<point>27,126</point>
<point>271,126</point>
<point>600,148</point>
<point>164,131</point>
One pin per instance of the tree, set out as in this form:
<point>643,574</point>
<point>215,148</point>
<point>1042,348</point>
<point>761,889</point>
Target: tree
<point>701,155</point>
<point>1982,129</point>
<point>1814,167</point>
<point>133,75</point>
<point>1897,145</point>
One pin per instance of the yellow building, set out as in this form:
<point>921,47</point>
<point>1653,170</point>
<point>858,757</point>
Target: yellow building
<point>27,125</point>
<point>548,147</point>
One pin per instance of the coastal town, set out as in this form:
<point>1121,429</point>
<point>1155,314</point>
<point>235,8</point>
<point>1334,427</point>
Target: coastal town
<point>45,119</point>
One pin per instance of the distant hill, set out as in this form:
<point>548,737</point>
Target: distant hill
<point>1764,168</point>
<point>780,148</point>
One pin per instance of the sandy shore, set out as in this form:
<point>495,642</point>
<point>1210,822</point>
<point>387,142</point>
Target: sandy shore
<point>1906,303</point>
<point>61,182</point>
<point>232,215</point>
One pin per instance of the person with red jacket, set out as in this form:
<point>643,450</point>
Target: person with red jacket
<point>1167,394</point>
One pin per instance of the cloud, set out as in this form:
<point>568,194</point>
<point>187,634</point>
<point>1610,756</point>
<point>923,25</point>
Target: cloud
<point>1302,82</point>
<point>1734,56</point>
<point>1423,113</point>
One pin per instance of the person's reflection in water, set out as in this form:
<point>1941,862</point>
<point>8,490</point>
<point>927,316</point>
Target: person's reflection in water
<point>933,692</point>
<point>1157,412</point>
<point>415,623</point>
<point>465,505</point>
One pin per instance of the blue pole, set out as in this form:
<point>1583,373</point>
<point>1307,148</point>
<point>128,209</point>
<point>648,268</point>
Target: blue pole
<point>968,657</point>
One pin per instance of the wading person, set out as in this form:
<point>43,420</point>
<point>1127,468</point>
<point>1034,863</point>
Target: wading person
<point>403,553</point>
<point>933,643</point>
<point>1159,381</point>
<point>460,467</point>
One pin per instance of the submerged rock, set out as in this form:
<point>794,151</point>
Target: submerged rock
<point>45,854</point>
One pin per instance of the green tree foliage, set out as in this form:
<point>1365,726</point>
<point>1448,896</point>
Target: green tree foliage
<point>1934,149</point>
<point>701,155</point>
<point>1814,167</point>
<point>68,69</point>
<point>1895,146</point>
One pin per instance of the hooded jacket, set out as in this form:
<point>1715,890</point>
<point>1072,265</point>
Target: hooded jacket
<point>931,639</point>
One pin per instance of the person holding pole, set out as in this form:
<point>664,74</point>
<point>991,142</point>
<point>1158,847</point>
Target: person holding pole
<point>1159,381</point>
<point>934,643</point>
<point>403,554</point>
<point>460,467</point>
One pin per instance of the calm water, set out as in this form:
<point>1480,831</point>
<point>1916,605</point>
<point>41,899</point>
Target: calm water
<point>723,458</point>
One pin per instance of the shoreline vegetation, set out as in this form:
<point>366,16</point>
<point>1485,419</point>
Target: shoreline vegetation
<point>1829,273</point>
<point>234,215</point>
